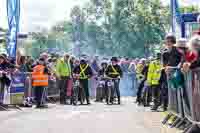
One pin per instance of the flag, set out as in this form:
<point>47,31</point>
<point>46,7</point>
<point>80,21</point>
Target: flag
<point>13,14</point>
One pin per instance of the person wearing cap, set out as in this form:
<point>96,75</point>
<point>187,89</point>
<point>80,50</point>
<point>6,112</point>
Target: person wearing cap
<point>85,72</point>
<point>153,79</point>
<point>101,75</point>
<point>114,71</point>
<point>40,82</point>
<point>63,74</point>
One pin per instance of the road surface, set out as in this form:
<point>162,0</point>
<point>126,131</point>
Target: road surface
<point>96,118</point>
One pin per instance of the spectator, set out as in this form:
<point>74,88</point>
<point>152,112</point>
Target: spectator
<point>194,45</point>
<point>72,62</point>
<point>171,56</point>
<point>29,64</point>
<point>4,66</point>
<point>63,73</point>
<point>22,64</point>
<point>189,56</point>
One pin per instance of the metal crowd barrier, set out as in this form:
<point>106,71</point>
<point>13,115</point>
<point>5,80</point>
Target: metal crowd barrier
<point>53,90</point>
<point>184,97</point>
<point>21,88</point>
<point>192,96</point>
<point>175,95</point>
<point>175,92</point>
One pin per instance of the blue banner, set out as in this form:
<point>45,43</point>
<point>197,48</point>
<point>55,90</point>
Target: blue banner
<point>17,83</point>
<point>17,89</point>
<point>13,14</point>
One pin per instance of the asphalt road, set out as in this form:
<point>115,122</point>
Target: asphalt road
<point>96,118</point>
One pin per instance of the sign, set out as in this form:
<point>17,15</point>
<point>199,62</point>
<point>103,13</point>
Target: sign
<point>191,28</point>
<point>17,89</point>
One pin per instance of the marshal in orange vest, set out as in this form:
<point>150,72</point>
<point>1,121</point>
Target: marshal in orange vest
<point>38,76</point>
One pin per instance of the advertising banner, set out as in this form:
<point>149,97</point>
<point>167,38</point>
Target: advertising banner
<point>17,89</point>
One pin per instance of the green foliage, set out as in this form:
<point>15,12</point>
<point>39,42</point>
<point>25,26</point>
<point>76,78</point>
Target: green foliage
<point>124,27</point>
<point>110,27</point>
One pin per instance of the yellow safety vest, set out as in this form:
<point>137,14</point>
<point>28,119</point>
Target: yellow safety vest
<point>82,73</point>
<point>154,73</point>
<point>114,71</point>
<point>139,69</point>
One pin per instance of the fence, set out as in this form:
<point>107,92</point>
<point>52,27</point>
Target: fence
<point>21,88</point>
<point>184,96</point>
<point>192,99</point>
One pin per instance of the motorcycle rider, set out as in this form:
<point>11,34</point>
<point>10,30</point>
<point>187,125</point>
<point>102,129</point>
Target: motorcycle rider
<point>85,72</point>
<point>114,71</point>
<point>101,76</point>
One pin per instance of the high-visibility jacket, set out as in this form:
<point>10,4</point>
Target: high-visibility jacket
<point>139,68</point>
<point>38,76</point>
<point>82,72</point>
<point>114,71</point>
<point>154,73</point>
<point>63,68</point>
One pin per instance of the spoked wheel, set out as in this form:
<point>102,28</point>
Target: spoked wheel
<point>99,94</point>
<point>109,93</point>
<point>82,96</point>
<point>75,95</point>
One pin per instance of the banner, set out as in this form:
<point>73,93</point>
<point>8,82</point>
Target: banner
<point>13,14</point>
<point>191,27</point>
<point>17,89</point>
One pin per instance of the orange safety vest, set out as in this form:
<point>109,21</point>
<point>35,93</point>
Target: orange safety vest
<point>38,76</point>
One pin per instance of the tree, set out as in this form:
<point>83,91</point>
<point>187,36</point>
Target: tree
<point>120,27</point>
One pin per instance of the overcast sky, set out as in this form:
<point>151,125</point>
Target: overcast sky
<point>36,13</point>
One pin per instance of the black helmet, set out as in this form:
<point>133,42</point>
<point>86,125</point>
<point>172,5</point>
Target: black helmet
<point>104,63</point>
<point>114,59</point>
<point>82,61</point>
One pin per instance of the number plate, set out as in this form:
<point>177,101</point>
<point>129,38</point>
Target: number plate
<point>100,85</point>
<point>102,82</point>
<point>77,83</point>
<point>110,84</point>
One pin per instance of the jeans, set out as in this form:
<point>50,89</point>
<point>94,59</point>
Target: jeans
<point>62,85</point>
<point>39,95</point>
<point>84,83</point>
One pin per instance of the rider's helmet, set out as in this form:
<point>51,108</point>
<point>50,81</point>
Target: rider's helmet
<point>83,61</point>
<point>104,64</point>
<point>114,59</point>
